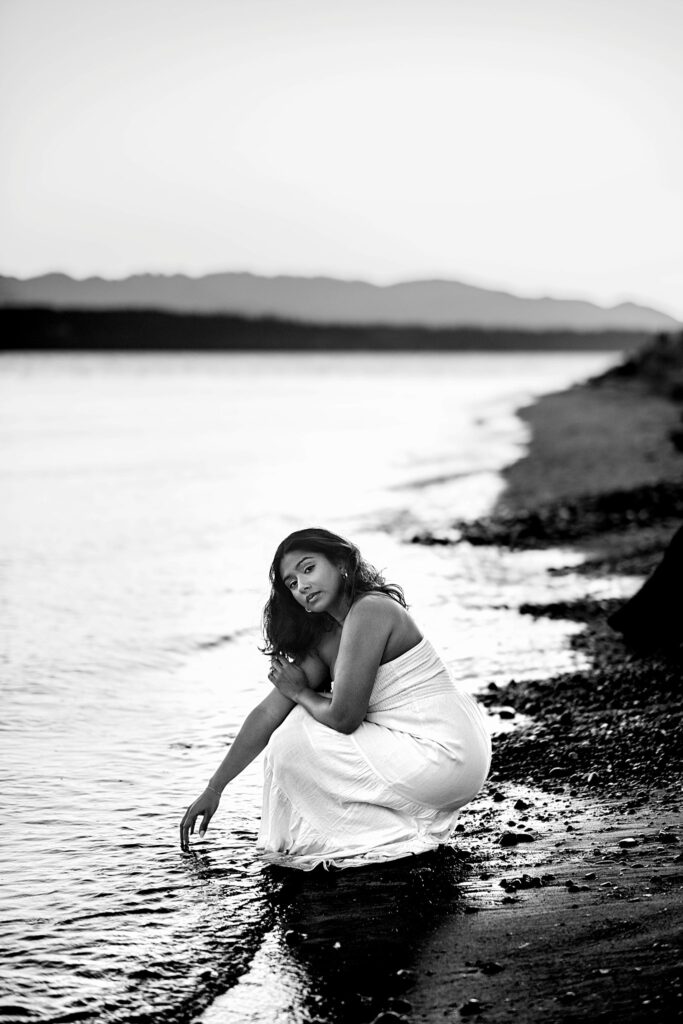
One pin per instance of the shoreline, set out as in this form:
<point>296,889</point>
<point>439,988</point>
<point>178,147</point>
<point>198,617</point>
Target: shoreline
<point>559,901</point>
<point>581,881</point>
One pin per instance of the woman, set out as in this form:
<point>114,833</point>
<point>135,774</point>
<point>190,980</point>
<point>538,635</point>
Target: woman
<point>377,768</point>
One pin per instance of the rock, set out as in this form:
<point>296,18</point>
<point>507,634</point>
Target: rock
<point>471,1007</point>
<point>573,887</point>
<point>398,1005</point>
<point>505,712</point>
<point>667,837</point>
<point>498,796</point>
<point>521,805</point>
<point>489,966</point>
<point>405,975</point>
<point>512,838</point>
<point>628,844</point>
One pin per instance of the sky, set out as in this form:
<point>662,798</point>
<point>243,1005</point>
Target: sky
<point>528,145</point>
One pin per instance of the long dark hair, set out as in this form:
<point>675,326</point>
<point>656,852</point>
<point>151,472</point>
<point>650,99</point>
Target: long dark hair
<point>287,628</point>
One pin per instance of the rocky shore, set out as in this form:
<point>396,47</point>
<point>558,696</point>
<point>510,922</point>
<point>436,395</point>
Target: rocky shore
<point>577,838</point>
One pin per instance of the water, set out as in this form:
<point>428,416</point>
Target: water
<point>143,497</point>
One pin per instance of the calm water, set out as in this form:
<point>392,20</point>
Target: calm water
<point>143,497</point>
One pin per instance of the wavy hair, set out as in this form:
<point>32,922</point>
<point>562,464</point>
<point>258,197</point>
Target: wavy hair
<point>287,628</point>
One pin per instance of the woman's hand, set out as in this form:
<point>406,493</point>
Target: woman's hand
<point>288,678</point>
<point>205,806</point>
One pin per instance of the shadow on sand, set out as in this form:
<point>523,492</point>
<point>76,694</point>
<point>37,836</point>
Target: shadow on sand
<point>353,936</point>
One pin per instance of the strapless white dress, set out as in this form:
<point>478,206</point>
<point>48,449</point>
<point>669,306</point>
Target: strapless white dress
<point>391,788</point>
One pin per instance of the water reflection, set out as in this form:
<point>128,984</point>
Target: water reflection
<point>344,944</point>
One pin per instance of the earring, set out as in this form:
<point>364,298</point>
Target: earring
<point>345,574</point>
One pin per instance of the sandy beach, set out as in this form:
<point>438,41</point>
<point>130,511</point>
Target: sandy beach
<point>562,899</point>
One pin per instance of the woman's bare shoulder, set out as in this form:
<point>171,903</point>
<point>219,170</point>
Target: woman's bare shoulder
<point>379,606</point>
<point>378,596</point>
<point>404,632</point>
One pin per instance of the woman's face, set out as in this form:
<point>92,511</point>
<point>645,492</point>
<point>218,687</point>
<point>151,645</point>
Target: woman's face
<point>313,580</point>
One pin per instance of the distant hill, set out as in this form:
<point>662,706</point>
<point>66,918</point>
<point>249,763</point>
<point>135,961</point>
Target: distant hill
<point>324,300</point>
<point>117,330</point>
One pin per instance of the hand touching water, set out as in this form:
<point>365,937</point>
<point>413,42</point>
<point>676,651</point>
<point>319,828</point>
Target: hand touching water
<point>286,677</point>
<point>205,807</point>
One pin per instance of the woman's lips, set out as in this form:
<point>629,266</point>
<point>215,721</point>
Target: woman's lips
<point>312,597</point>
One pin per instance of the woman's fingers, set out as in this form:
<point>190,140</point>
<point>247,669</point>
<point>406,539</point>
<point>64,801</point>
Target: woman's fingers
<point>185,831</point>
<point>187,828</point>
<point>204,808</point>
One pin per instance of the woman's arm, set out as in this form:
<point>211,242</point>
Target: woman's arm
<point>252,738</point>
<point>364,637</point>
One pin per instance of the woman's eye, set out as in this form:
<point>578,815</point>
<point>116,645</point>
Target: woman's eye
<point>308,568</point>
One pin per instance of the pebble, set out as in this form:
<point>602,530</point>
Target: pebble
<point>567,997</point>
<point>628,844</point>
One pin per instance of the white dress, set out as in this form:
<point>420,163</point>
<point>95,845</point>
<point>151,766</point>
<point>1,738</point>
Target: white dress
<point>391,788</point>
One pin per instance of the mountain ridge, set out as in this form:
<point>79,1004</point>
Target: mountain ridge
<point>430,302</point>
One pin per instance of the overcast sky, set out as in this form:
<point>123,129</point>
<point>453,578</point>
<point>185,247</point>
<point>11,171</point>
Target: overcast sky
<point>534,145</point>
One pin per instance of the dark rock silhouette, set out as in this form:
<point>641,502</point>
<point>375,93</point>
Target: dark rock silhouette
<point>653,617</point>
